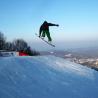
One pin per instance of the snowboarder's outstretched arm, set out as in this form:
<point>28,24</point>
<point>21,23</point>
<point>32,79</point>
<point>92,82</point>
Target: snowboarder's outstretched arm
<point>51,24</point>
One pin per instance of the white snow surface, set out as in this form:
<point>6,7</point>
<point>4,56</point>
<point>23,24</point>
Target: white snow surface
<point>46,77</point>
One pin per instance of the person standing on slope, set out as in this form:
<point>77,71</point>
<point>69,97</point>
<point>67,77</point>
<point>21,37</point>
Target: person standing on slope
<point>44,30</point>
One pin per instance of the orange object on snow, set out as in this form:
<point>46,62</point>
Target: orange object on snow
<point>23,54</point>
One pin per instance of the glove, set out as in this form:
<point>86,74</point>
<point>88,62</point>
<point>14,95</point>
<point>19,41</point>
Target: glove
<point>57,25</point>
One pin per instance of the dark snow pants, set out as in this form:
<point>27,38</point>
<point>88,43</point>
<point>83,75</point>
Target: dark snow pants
<point>46,32</point>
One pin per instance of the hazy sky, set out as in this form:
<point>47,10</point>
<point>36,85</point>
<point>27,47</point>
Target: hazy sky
<point>78,19</point>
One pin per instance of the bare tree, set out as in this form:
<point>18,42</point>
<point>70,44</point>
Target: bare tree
<point>9,46</point>
<point>2,41</point>
<point>19,44</point>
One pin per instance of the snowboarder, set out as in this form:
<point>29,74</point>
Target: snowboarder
<point>44,30</point>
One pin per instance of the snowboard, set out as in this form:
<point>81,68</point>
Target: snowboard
<point>45,40</point>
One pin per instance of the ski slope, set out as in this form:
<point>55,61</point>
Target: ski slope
<point>46,77</point>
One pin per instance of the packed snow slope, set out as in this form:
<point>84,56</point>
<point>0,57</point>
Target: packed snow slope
<point>46,77</point>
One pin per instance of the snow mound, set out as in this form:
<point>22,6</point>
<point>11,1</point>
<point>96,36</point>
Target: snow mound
<point>46,77</point>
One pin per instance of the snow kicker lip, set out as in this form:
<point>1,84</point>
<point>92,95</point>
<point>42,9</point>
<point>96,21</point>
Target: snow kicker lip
<point>63,65</point>
<point>46,77</point>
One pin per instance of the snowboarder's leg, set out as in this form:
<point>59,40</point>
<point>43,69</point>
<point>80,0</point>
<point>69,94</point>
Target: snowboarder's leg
<point>48,35</point>
<point>43,34</point>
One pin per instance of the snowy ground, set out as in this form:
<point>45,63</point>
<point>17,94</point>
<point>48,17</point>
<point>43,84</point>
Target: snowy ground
<point>46,77</point>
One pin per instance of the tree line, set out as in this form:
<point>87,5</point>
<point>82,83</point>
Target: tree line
<point>16,45</point>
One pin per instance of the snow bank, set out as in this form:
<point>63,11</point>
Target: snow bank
<point>46,77</point>
<point>8,54</point>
